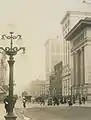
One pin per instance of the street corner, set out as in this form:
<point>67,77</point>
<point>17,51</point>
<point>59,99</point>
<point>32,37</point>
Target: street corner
<point>20,115</point>
<point>27,118</point>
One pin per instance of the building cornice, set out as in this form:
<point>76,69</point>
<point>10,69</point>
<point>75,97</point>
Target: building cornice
<point>78,47</point>
<point>47,42</point>
<point>66,15</point>
<point>74,13</point>
<point>77,28</point>
<point>51,39</point>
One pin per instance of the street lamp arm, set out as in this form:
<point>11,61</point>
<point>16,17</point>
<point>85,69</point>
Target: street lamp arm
<point>15,49</point>
<point>11,36</point>
<point>19,36</point>
<point>15,37</point>
<point>1,48</point>
<point>22,48</point>
<point>12,51</point>
<point>7,49</point>
<point>5,36</point>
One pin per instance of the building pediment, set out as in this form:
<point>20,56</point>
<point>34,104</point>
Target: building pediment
<point>83,23</point>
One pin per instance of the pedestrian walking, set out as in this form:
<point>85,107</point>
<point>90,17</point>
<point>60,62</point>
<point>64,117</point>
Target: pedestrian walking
<point>69,102</point>
<point>24,102</point>
<point>73,99</point>
<point>42,101</point>
<point>83,100</point>
<point>80,102</point>
<point>55,101</point>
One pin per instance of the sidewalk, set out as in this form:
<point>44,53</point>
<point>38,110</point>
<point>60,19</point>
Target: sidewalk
<point>87,104</point>
<point>31,105</point>
<point>2,112</point>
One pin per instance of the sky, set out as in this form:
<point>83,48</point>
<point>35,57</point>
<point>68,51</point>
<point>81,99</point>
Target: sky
<point>36,21</point>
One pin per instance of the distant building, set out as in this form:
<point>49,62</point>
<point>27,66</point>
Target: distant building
<point>3,76</point>
<point>58,68</point>
<point>37,88</point>
<point>53,56</point>
<point>3,93</point>
<point>3,69</point>
<point>56,80</point>
<point>25,93</point>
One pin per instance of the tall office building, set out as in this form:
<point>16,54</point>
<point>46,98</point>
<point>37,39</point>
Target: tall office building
<point>53,56</point>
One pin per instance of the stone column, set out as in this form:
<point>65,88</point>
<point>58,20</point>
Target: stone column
<point>82,67</point>
<point>73,73</point>
<point>76,65</point>
<point>79,67</point>
<point>74,69</point>
<point>78,71</point>
<point>82,71</point>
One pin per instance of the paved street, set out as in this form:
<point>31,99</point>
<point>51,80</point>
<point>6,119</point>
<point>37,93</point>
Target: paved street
<point>2,112</point>
<point>19,110</point>
<point>62,112</point>
<point>59,113</point>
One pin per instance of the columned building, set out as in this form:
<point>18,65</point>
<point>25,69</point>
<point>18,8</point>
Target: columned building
<point>72,76</point>
<point>80,39</point>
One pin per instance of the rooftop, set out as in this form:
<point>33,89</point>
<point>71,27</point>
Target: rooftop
<point>51,39</point>
<point>75,13</point>
<point>77,28</point>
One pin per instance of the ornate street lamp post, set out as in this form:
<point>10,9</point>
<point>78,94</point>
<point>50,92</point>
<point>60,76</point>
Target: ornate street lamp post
<point>11,51</point>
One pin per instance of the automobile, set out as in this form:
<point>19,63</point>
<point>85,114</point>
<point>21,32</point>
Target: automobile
<point>28,98</point>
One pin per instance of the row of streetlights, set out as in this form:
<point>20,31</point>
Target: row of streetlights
<point>11,51</point>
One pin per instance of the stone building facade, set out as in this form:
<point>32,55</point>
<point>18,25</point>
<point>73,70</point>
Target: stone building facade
<point>80,38</point>
<point>37,88</point>
<point>69,23</point>
<point>56,80</point>
<point>3,70</point>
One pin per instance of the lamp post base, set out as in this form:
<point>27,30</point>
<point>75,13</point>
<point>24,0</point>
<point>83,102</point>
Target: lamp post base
<point>10,117</point>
